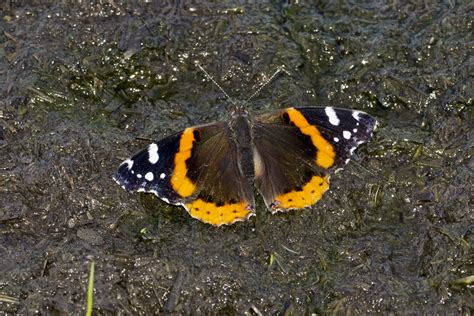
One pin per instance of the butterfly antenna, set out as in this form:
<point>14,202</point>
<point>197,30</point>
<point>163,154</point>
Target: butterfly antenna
<point>263,85</point>
<point>215,82</point>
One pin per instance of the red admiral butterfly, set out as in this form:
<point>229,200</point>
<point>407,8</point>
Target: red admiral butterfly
<point>211,169</point>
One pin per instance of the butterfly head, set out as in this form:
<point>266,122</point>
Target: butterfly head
<point>238,109</point>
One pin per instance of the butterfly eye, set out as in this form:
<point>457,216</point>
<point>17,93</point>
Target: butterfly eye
<point>197,135</point>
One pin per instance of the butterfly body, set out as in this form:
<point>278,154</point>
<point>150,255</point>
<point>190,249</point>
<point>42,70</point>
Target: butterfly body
<point>211,170</point>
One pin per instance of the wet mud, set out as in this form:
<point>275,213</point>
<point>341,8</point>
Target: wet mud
<point>85,85</point>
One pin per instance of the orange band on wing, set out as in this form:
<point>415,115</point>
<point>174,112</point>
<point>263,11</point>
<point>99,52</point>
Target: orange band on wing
<point>310,194</point>
<point>179,180</point>
<point>218,215</point>
<point>325,154</point>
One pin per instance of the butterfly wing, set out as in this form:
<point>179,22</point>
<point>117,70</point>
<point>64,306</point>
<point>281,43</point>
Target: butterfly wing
<point>295,148</point>
<point>345,129</point>
<point>197,168</point>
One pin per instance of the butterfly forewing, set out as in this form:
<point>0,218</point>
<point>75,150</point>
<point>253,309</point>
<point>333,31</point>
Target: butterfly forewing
<point>150,169</point>
<point>345,129</point>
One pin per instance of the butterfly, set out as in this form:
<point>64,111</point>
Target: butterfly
<point>211,170</point>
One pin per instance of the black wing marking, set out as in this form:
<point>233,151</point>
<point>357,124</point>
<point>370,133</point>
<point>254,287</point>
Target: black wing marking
<point>150,169</point>
<point>344,128</point>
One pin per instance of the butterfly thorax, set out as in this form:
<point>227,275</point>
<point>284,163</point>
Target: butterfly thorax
<point>241,130</point>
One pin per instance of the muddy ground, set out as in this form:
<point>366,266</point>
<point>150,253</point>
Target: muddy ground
<point>84,85</point>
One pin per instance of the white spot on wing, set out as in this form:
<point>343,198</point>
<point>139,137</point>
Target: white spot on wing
<point>355,130</point>
<point>162,176</point>
<point>153,153</point>
<point>129,163</point>
<point>346,134</point>
<point>336,139</point>
<point>139,176</point>
<point>356,115</point>
<point>333,119</point>
<point>149,176</point>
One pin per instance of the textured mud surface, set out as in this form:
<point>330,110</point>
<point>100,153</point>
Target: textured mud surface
<point>83,86</point>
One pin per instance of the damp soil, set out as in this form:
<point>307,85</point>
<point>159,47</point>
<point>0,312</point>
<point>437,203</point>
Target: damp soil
<point>85,85</point>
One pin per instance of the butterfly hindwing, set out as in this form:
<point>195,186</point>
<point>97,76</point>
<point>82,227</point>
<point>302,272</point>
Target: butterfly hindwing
<point>285,172</point>
<point>222,193</point>
<point>295,148</point>
<point>199,169</point>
